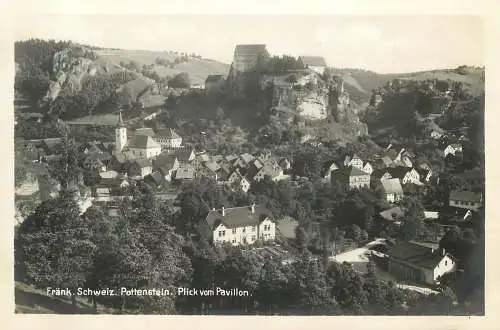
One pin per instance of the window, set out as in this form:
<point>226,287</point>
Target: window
<point>234,240</point>
<point>220,233</point>
<point>253,228</point>
<point>243,230</point>
<point>234,231</point>
<point>253,237</point>
<point>223,233</point>
<point>446,262</point>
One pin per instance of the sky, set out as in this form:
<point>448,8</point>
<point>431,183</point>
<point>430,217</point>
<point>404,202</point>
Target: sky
<point>385,44</point>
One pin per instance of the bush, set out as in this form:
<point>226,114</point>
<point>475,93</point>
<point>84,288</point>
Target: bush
<point>181,80</point>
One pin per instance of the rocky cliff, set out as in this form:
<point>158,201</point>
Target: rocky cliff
<point>69,67</point>
<point>307,95</point>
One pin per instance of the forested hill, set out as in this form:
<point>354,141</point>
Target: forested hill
<point>72,80</point>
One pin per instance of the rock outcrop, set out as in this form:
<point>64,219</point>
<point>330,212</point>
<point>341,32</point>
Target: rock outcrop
<point>306,95</point>
<point>69,67</point>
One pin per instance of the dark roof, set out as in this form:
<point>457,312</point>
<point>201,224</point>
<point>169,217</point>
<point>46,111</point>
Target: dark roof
<point>392,186</point>
<point>145,131</point>
<point>237,216</point>
<point>465,196</point>
<point>398,171</point>
<point>379,173</point>
<point>183,154</point>
<point>351,171</point>
<point>144,162</point>
<point>422,171</point>
<point>165,159</point>
<point>214,78</point>
<point>326,167</point>
<point>142,142</point>
<point>168,133</point>
<point>313,60</point>
<point>391,213</point>
<point>52,142</point>
<point>255,49</point>
<point>156,177</point>
<point>416,254</point>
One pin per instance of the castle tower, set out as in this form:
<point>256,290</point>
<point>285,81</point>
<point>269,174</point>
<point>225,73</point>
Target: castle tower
<point>120,134</point>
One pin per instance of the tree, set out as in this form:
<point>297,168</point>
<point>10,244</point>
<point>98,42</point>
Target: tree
<point>180,80</point>
<point>219,115</point>
<point>54,247</point>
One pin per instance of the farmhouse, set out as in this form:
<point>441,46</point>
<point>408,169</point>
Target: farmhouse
<point>241,225</point>
<point>465,200</point>
<point>351,177</point>
<point>452,149</point>
<point>414,262</point>
<point>405,174</point>
<point>392,189</point>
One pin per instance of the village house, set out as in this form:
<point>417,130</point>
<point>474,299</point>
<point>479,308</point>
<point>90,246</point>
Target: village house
<point>327,170</point>
<point>110,186</point>
<point>285,164</point>
<point>168,138</point>
<point>466,200</point>
<point>155,179</point>
<point>368,168</point>
<point>95,161</point>
<point>405,174</point>
<point>315,63</point>
<point>351,177</point>
<point>425,174</point>
<point>215,83</point>
<point>241,225</point>
<point>415,262</point>
<point>267,168</point>
<point>237,181</point>
<point>50,146</point>
<point>185,173</point>
<point>209,170</point>
<point>140,167</point>
<point>353,161</point>
<point>435,131</point>
<point>453,149</point>
<point>392,189</point>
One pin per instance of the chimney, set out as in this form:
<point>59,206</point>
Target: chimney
<point>252,208</point>
<point>223,211</point>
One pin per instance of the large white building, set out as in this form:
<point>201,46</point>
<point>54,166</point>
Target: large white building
<point>241,225</point>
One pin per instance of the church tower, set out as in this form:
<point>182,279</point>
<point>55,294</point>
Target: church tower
<point>120,134</point>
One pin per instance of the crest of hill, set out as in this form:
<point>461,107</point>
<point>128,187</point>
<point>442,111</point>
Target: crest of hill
<point>198,69</point>
<point>359,83</point>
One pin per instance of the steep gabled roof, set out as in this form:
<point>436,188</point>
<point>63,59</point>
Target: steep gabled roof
<point>168,134</point>
<point>416,254</point>
<point>237,216</point>
<point>392,186</point>
<point>142,142</point>
<point>313,60</point>
<point>142,162</point>
<point>399,171</point>
<point>350,171</point>
<point>165,159</point>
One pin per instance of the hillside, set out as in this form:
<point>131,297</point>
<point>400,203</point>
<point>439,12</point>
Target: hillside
<point>70,80</point>
<point>360,83</point>
<point>198,69</point>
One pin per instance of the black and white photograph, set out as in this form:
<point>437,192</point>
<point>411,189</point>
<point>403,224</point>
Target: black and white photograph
<point>258,165</point>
